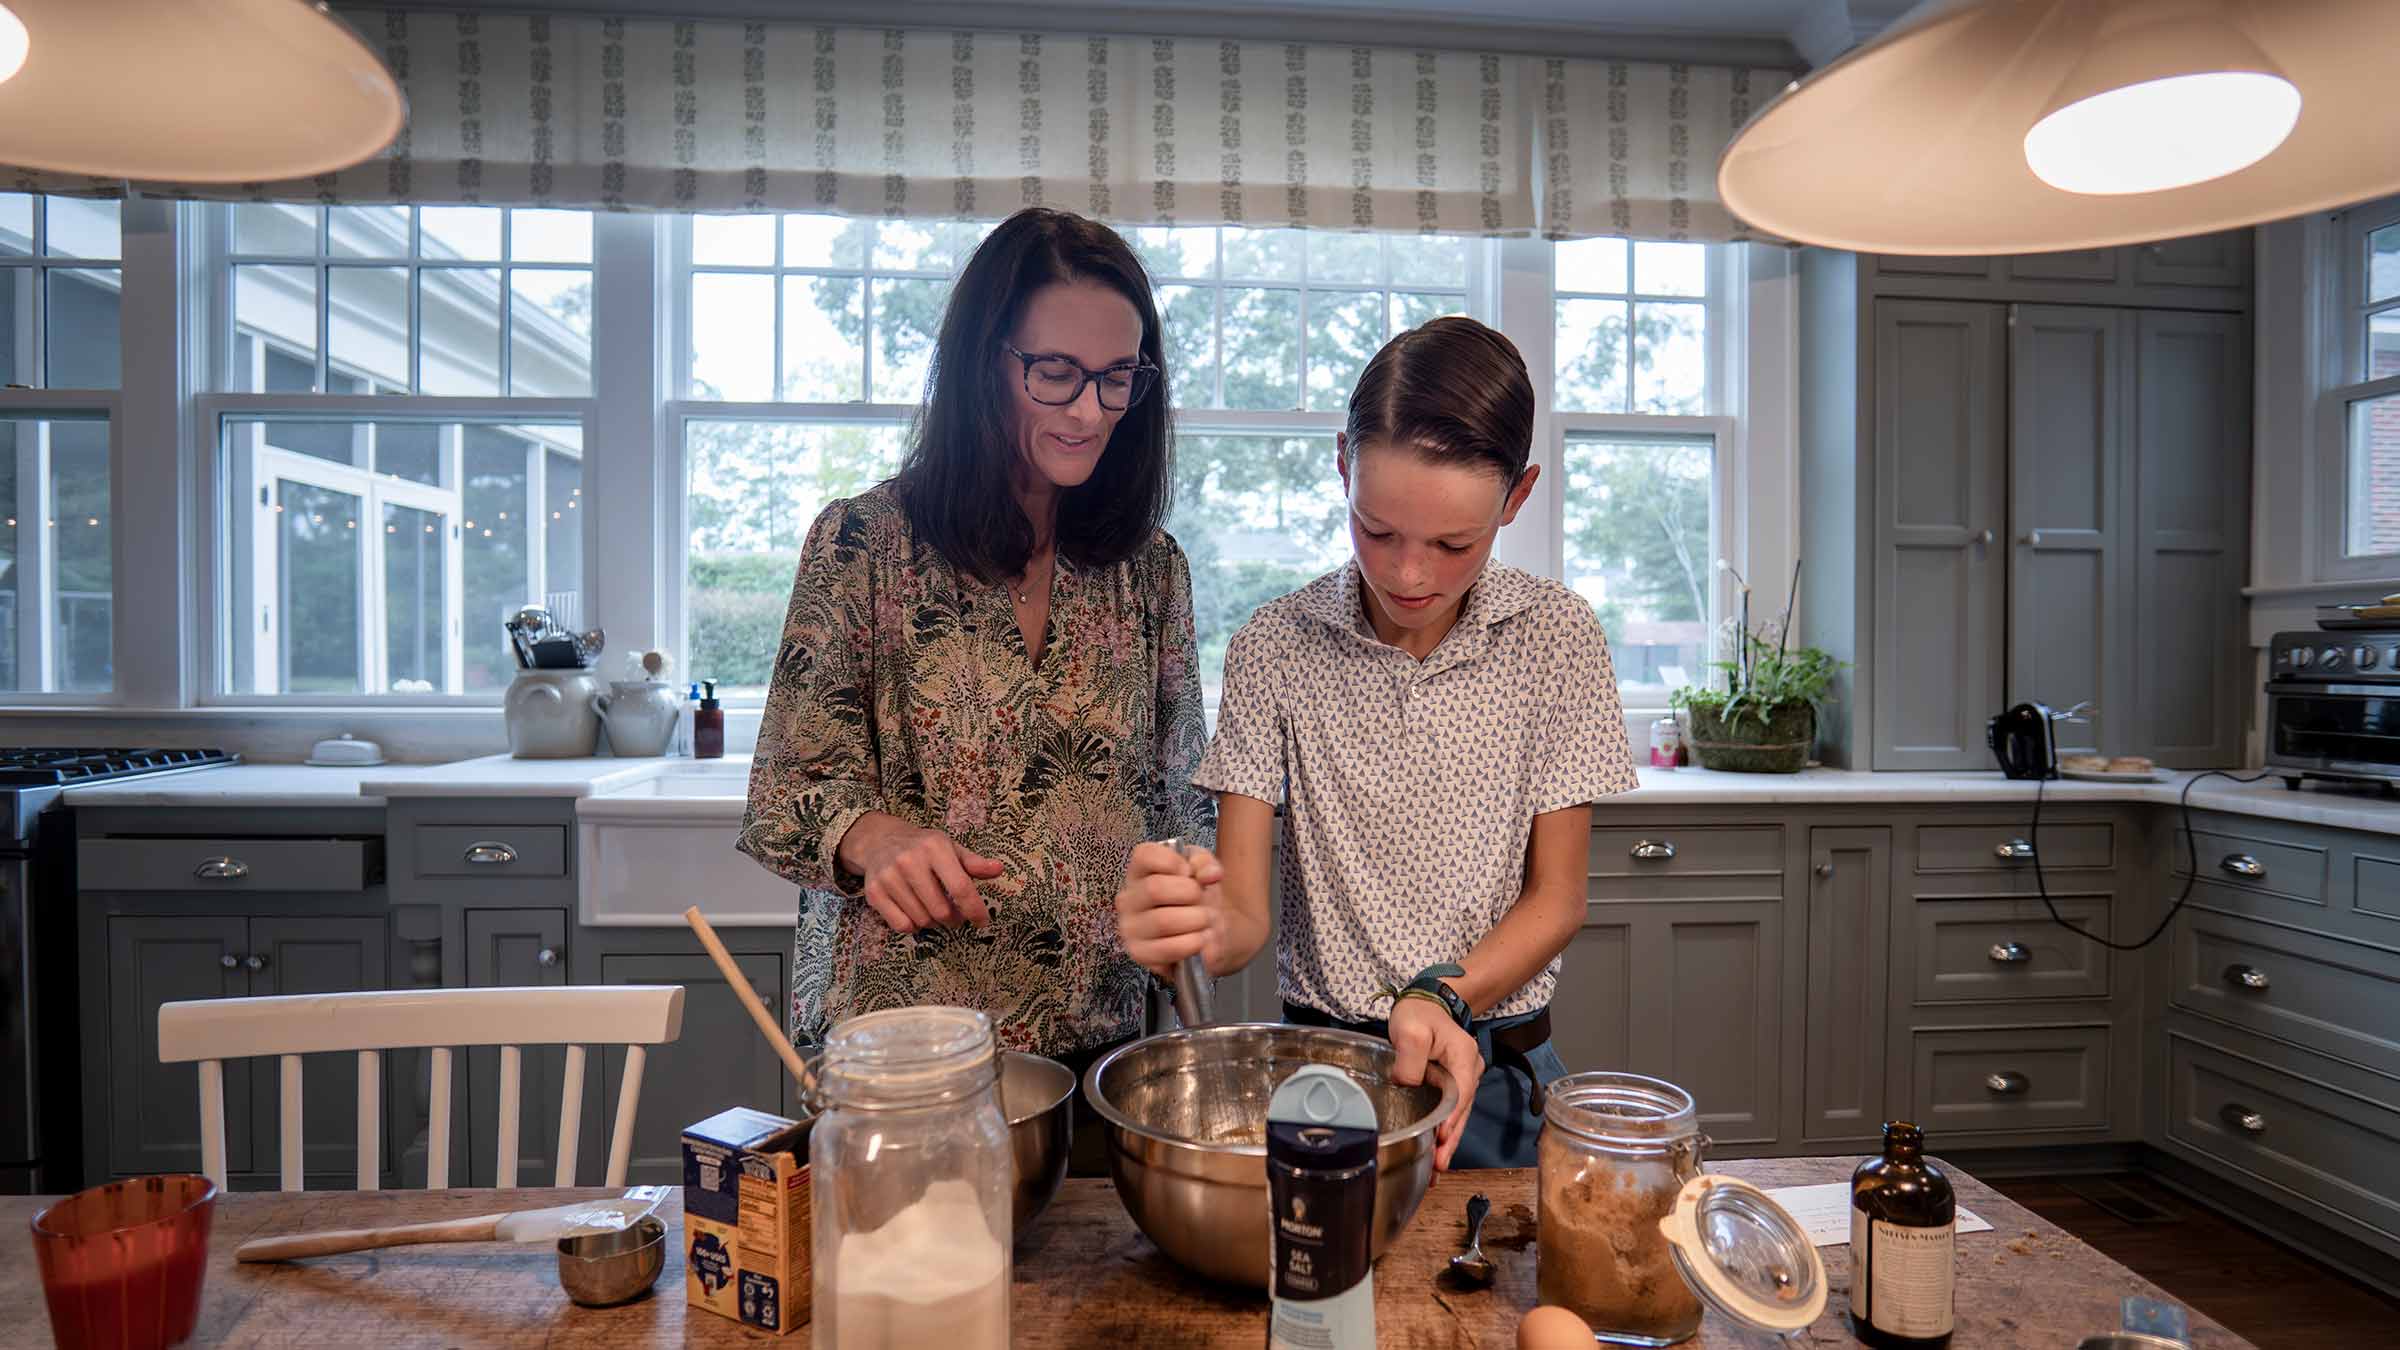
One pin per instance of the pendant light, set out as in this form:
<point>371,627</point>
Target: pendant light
<point>2027,126</point>
<point>191,91</point>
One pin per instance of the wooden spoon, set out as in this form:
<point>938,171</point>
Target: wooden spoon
<point>749,1000</point>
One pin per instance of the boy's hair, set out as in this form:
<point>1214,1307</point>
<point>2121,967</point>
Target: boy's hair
<point>954,481</point>
<point>1453,391</point>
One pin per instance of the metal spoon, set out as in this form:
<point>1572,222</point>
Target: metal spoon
<point>1472,1265</point>
<point>1195,993</point>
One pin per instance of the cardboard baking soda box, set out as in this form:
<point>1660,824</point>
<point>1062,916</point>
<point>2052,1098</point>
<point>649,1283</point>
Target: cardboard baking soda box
<point>746,1218</point>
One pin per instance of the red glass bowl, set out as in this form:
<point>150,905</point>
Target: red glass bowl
<point>122,1263</point>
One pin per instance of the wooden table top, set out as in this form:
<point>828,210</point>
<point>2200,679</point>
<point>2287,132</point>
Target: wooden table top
<point>1085,1277</point>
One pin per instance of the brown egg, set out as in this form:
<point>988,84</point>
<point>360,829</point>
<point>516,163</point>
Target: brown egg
<point>1553,1329</point>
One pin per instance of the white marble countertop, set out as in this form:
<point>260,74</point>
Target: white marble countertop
<point>711,792</point>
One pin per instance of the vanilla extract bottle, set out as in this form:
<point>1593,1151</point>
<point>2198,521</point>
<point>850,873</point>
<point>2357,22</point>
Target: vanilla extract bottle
<point>1903,1267</point>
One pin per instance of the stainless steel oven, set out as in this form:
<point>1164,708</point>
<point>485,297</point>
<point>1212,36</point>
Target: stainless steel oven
<point>2333,706</point>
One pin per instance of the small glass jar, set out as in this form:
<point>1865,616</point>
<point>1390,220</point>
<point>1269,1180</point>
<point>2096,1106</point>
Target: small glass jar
<point>1616,1149</point>
<point>1666,743</point>
<point>911,1179</point>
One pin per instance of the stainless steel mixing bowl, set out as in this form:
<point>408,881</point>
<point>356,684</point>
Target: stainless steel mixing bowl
<point>1038,1097</point>
<point>1186,1115</point>
<point>601,1270</point>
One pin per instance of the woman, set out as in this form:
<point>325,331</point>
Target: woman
<point>986,691</point>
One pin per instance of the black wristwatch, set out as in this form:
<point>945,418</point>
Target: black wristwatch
<point>1431,983</point>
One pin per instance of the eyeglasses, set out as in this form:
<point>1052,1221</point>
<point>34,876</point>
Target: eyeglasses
<point>1059,380</point>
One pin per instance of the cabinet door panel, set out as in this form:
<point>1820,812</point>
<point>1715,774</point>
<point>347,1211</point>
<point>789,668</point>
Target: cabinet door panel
<point>2193,463</point>
<point>154,1108</point>
<point>1849,905</point>
<point>1723,965</point>
<point>2100,265</point>
<point>2216,260</point>
<point>2070,405</point>
<point>1940,487</point>
<point>718,1062</point>
<point>1591,1016</point>
<point>318,955</point>
<point>512,948</point>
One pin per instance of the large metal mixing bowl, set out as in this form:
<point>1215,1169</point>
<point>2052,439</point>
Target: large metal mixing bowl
<point>1186,1115</point>
<point>1038,1097</point>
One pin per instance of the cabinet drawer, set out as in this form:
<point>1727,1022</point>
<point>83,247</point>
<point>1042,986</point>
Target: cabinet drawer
<point>1974,951</point>
<point>2252,863</point>
<point>2305,1138</point>
<point>2339,997</point>
<point>110,864</point>
<point>1667,862</point>
<point>2001,848</point>
<point>2014,1078</point>
<point>490,851</point>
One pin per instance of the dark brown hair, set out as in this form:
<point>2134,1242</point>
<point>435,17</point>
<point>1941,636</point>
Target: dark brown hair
<point>1451,390</point>
<point>954,481</point>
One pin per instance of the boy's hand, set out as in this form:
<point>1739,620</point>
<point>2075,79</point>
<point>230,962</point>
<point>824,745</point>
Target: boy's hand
<point>1171,906</point>
<point>1422,1032</point>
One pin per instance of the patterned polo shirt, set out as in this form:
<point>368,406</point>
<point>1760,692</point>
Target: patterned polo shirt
<point>1410,787</point>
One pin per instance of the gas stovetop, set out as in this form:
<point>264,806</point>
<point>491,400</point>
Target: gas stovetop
<point>69,767</point>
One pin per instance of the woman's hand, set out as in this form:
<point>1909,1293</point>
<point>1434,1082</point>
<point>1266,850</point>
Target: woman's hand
<point>1423,1032</point>
<point>1172,906</point>
<point>917,877</point>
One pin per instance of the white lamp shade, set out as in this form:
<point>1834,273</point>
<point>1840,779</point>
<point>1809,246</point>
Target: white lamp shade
<point>200,91</point>
<point>2027,126</point>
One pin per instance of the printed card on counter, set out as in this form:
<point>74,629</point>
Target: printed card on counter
<point>1825,1212</point>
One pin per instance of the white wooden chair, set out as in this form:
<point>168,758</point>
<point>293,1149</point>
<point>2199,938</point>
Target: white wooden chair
<point>212,1031</point>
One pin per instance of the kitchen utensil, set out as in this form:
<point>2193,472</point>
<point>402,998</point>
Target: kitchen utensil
<point>589,644</point>
<point>600,1270</point>
<point>1472,1265</point>
<point>640,716</point>
<point>1038,1097</point>
<point>558,652</point>
<point>608,1214</point>
<point>344,753</point>
<point>549,714</point>
<point>2024,741</point>
<point>1195,993</point>
<point>122,1264</point>
<point>740,984</point>
<point>1191,1165</point>
<point>525,628</point>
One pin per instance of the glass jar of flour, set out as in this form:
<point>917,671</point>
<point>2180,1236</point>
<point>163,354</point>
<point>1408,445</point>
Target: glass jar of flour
<point>910,1177</point>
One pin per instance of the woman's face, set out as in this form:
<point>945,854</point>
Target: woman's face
<point>1422,530</point>
<point>1094,326</point>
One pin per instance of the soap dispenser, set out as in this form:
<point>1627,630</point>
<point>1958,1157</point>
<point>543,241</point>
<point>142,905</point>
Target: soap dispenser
<point>708,725</point>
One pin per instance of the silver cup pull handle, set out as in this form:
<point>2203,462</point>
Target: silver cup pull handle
<point>2243,865</point>
<point>2249,978</point>
<point>221,869</point>
<point>1653,850</point>
<point>2013,850</point>
<point>2008,1083</point>
<point>2244,1119</point>
<point>2011,953</point>
<point>490,853</point>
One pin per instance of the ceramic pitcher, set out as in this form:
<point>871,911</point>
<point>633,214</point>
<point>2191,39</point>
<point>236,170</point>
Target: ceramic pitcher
<point>550,714</point>
<point>640,716</point>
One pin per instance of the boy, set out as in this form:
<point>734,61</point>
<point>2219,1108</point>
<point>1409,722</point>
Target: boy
<point>1437,726</point>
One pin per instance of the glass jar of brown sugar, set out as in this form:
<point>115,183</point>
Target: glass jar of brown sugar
<point>1632,1237</point>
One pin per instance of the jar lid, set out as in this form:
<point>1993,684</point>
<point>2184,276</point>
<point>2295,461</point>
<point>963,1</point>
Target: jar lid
<point>1745,1255</point>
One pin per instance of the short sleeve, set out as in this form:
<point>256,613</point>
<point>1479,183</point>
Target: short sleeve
<point>1246,755</point>
<point>1584,752</point>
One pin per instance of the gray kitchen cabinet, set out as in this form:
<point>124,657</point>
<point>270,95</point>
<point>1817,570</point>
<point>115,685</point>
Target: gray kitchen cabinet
<point>153,1118</point>
<point>720,1061</point>
<point>2192,452</point>
<point>2101,265</point>
<point>1849,938</point>
<point>2203,272</point>
<point>514,948</point>
<point>2070,428</point>
<point>154,1108</point>
<point>1940,507</point>
<point>2219,261</point>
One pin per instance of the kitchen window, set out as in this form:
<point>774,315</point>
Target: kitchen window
<point>2360,414</point>
<point>398,452</point>
<point>61,285</point>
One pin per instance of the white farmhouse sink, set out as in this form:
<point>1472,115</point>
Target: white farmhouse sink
<point>651,847</point>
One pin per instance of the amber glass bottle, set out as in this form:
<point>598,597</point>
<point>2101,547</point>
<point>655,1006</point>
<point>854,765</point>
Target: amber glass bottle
<point>1902,1268</point>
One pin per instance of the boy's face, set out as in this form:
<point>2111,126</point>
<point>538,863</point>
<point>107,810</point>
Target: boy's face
<point>1422,530</point>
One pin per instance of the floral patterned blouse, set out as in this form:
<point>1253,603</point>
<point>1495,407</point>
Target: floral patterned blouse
<point>904,686</point>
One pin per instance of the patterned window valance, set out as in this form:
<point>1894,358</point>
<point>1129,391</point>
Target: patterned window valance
<point>631,114</point>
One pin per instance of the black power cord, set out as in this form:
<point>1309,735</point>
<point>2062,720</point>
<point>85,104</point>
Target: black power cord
<point>2191,853</point>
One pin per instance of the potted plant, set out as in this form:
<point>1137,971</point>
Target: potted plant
<point>1760,714</point>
